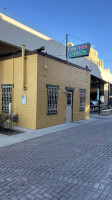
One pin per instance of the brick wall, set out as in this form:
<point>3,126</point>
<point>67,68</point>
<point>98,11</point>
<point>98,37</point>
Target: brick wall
<point>63,75</point>
<point>11,73</point>
<point>34,114</point>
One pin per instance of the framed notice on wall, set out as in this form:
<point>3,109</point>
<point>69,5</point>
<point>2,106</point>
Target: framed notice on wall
<point>23,99</point>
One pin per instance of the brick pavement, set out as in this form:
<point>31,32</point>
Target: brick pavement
<point>73,164</point>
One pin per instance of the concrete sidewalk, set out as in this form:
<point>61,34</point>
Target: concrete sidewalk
<point>31,134</point>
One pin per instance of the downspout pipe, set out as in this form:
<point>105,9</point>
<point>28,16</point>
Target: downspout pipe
<point>23,66</point>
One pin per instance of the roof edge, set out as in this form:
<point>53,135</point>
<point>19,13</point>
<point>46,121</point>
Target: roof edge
<point>44,54</point>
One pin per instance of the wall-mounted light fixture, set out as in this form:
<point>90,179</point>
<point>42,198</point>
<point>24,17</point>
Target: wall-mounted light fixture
<point>45,68</point>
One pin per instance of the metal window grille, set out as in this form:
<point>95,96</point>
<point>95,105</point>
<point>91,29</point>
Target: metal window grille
<point>52,100</point>
<point>6,98</point>
<point>82,100</point>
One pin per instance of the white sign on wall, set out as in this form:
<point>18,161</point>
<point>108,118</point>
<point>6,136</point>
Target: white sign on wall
<point>23,99</point>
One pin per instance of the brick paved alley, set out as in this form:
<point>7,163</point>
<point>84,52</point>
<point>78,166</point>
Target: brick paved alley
<point>73,164</point>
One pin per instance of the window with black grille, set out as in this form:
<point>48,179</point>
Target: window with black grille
<point>82,99</point>
<point>6,98</point>
<point>52,99</point>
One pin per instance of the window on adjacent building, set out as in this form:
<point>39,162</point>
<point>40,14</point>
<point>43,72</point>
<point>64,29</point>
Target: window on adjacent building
<point>94,53</point>
<point>52,99</point>
<point>82,99</point>
<point>6,97</point>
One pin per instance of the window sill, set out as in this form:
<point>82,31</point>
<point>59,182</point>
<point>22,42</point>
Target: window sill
<point>5,112</point>
<point>52,113</point>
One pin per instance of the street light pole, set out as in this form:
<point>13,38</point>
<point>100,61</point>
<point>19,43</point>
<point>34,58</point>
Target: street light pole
<point>99,96</point>
<point>66,47</point>
<point>108,94</point>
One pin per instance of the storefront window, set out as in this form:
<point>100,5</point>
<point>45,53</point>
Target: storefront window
<point>82,99</point>
<point>52,99</point>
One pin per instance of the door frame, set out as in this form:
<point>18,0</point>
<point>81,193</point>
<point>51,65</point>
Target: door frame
<point>69,89</point>
<point>70,92</point>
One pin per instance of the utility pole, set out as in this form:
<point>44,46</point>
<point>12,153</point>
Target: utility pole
<point>99,95</point>
<point>66,47</point>
<point>108,94</point>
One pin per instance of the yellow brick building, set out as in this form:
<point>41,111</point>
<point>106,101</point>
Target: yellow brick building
<point>93,57</point>
<point>48,91</point>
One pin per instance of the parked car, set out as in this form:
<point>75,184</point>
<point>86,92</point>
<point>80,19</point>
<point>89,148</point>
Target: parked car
<point>94,103</point>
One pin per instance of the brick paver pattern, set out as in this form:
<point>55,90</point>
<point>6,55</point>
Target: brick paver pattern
<point>73,164</point>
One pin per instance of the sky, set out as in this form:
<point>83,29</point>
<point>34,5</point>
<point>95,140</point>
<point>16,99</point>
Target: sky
<point>87,20</point>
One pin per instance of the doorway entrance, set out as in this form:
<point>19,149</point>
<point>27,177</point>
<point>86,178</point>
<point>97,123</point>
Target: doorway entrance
<point>69,106</point>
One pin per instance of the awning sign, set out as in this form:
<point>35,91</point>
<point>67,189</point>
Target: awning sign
<point>79,50</point>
